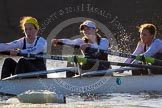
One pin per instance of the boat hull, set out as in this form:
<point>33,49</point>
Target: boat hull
<point>65,86</point>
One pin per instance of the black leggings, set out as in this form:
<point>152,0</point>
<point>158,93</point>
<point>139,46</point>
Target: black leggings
<point>11,67</point>
<point>8,68</point>
<point>157,71</point>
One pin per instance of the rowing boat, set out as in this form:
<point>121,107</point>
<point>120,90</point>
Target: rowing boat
<point>75,85</point>
<point>85,83</point>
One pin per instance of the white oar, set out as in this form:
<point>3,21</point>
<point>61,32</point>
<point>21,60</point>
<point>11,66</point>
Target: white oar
<point>108,71</point>
<point>38,73</point>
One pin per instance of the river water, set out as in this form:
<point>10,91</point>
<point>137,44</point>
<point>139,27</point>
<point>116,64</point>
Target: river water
<point>113,100</point>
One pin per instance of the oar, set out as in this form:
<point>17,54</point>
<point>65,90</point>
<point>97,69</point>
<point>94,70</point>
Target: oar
<point>38,73</point>
<point>137,65</point>
<point>108,71</point>
<point>85,60</point>
<point>52,57</point>
<point>139,58</point>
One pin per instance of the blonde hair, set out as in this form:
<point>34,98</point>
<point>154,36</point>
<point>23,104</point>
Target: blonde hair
<point>150,27</point>
<point>29,20</point>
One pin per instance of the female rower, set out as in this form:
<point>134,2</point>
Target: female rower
<point>30,44</point>
<point>90,39</point>
<point>148,45</point>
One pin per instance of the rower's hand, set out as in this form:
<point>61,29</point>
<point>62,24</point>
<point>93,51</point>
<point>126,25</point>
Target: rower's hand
<point>55,42</point>
<point>14,52</point>
<point>84,46</point>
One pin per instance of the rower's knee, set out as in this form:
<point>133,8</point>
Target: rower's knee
<point>8,67</point>
<point>21,60</point>
<point>9,61</point>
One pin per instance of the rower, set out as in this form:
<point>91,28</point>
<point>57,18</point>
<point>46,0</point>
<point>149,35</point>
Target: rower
<point>30,44</point>
<point>90,39</point>
<point>148,46</point>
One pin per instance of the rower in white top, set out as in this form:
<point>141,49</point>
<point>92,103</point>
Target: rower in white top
<point>90,39</point>
<point>149,46</point>
<point>30,44</point>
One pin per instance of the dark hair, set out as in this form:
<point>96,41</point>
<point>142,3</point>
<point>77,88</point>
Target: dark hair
<point>150,27</point>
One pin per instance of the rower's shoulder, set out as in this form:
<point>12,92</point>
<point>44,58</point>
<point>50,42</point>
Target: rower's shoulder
<point>104,39</point>
<point>41,38</point>
<point>158,40</point>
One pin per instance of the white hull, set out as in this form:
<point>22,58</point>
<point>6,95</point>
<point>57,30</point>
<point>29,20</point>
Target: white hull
<point>116,84</point>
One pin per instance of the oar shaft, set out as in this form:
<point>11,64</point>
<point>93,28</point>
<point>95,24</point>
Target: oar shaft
<point>71,45</point>
<point>85,60</point>
<point>137,65</point>
<point>52,57</point>
<point>118,54</point>
<point>38,73</point>
<point>103,51</point>
<point>139,58</point>
<point>43,56</point>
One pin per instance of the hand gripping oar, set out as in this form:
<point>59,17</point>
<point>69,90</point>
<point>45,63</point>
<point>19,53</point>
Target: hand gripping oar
<point>139,58</point>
